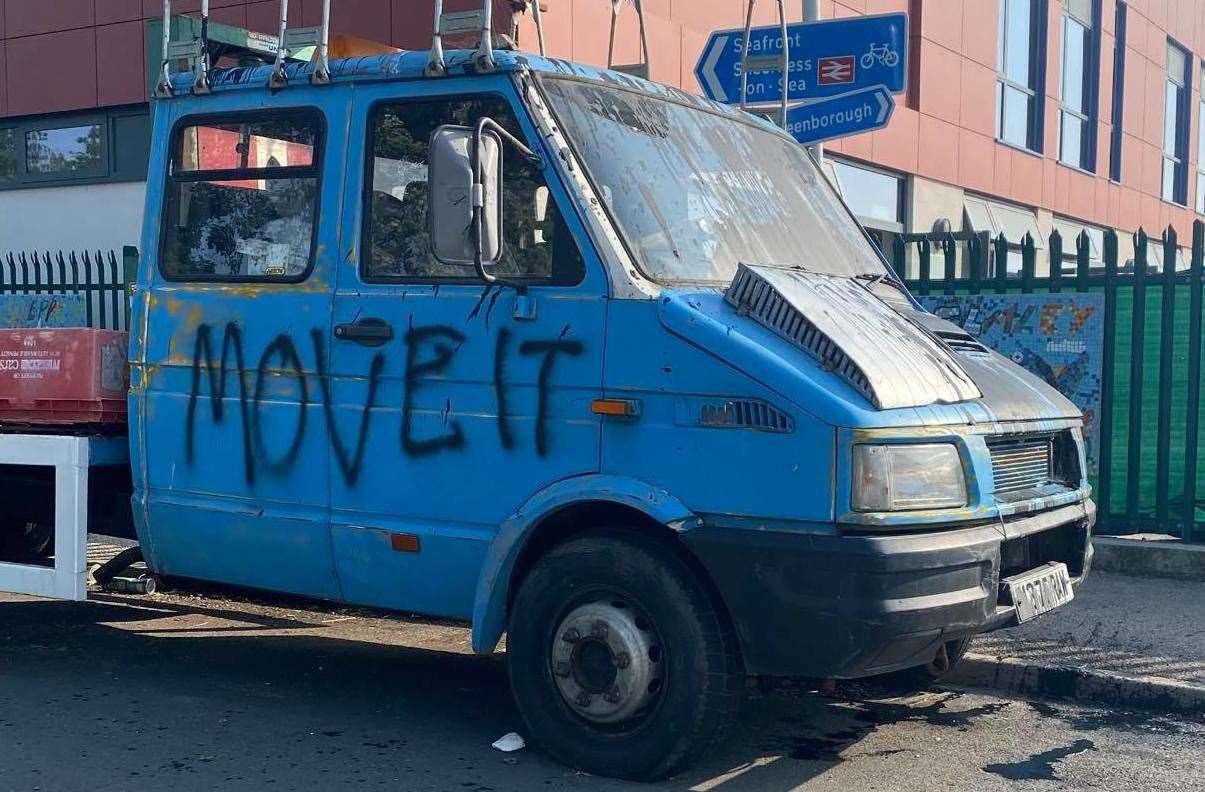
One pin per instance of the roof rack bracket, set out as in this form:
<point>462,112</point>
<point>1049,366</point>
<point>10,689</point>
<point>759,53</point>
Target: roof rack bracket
<point>322,72</point>
<point>462,22</point>
<point>163,88</point>
<point>200,83</point>
<point>766,63</point>
<point>279,79</point>
<point>635,69</point>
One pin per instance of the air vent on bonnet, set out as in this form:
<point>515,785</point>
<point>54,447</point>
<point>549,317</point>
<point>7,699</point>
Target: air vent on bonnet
<point>884,356</point>
<point>960,342</point>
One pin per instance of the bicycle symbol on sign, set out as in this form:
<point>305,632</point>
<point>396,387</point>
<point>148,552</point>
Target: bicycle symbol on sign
<point>883,53</point>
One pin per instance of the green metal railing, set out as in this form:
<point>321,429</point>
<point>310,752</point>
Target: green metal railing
<point>101,277</point>
<point>1149,476</point>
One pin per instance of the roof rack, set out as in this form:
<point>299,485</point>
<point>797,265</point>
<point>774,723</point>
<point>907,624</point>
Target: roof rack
<point>198,45</point>
<point>635,69</point>
<point>780,63</point>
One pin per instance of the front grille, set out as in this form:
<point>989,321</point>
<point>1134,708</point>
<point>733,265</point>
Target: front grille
<point>1064,543</point>
<point>1021,462</point>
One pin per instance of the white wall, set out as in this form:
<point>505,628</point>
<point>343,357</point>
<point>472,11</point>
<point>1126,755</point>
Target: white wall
<point>96,216</point>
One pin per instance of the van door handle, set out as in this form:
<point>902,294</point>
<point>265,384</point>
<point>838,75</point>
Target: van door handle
<point>367,332</point>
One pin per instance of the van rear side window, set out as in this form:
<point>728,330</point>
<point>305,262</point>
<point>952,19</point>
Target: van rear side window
<point>242,198</point>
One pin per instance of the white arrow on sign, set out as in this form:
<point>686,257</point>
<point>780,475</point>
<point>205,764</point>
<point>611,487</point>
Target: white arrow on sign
<point>714,86</point>
<point>885,106</point>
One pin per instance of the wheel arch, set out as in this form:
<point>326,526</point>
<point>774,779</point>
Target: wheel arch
<point>556,513</point>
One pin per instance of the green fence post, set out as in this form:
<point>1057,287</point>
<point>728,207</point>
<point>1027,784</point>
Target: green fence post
<point>1193,401</point>
<point>977,260</point>
<point>926,276</point>
<point>1137,340</point>
<point>899,258</point>
<point>1056,262</point>
<point>1029,255</point>
<point>1166,340</point>
<point>1083,260</point>
<point>949,249</point>
<point>1001,274</point>
<point>1104,455</point>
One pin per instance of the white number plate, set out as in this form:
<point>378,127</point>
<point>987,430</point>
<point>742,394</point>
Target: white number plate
<point>1040,590</point>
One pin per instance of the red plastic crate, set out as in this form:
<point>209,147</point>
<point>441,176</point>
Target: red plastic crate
<point>63,377</point>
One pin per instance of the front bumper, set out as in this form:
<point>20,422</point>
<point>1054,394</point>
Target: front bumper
<point>826,605</point>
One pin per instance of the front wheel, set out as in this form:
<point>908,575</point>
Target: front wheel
<point>620,663</point>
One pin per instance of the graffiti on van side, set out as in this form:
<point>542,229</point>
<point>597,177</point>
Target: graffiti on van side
<point>430,349</point>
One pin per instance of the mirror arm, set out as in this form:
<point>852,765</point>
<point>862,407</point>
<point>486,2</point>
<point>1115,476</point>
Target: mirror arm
<point>479,195</point>
<point>497,129</point>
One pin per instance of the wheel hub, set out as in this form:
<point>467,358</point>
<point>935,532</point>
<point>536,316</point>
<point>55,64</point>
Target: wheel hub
<point>606,661</point>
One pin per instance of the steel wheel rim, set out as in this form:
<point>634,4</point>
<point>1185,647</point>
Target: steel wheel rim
<point>607,662</point>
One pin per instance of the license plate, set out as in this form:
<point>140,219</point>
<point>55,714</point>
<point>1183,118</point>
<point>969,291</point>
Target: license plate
<point>1039,590</point>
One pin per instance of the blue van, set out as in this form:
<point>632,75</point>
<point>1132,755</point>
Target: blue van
<point>581,359</point>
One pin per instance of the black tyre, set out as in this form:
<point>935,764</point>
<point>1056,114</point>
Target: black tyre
<point>26,541</point>
<point>913,680</point>
<point>620,662</point>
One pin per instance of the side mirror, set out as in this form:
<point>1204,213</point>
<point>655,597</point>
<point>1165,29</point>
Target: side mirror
<point>464,203</point>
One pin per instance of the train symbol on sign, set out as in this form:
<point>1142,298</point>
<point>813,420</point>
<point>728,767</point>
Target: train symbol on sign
<point>835,70</point>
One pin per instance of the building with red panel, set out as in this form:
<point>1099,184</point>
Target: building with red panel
<point>1022,115</point>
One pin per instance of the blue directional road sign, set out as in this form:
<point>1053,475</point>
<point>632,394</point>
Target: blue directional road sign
<point>828,58</point>
<point>848,114</point>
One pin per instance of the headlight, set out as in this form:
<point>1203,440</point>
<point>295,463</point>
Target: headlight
<point>906,477</point>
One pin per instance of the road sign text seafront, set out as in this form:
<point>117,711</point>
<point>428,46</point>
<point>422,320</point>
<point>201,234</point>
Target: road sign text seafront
<point>828,58</point>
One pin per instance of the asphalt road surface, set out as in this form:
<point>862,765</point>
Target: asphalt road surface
<point>183,692</point>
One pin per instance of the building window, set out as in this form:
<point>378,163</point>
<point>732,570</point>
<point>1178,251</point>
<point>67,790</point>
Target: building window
<point>1014,222</point>
<point>1069,232</point>
<point>1020,64</point>
<point>75,148</point>
<point>1175,125</point>
<point>1154,258</point>
<point>8,154</point>
<point>1119,71</point>
<point>62,150</point>
<point>1201,150</point>
<point>876,197</point>
<point>1077,113</point>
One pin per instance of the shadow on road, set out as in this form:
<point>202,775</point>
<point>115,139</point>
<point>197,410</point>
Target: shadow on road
<point>205,696</point>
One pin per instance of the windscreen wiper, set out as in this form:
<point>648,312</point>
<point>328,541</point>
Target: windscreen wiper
<point>871,278</point>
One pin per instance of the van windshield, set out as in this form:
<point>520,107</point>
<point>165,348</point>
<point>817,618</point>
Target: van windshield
<point>696,193</point>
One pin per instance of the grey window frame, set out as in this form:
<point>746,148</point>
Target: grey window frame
<point>1085,158</point>
<point>1035,118</point>
<point>11,133</point>
<point>1179,156</point>
<point>1119,79</point>
<point>107,172</point>
<point>1200,197</point>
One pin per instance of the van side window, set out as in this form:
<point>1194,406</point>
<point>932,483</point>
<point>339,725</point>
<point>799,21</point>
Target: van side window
<point>242,198</point>
<point>537,246</point>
